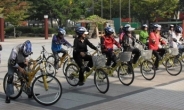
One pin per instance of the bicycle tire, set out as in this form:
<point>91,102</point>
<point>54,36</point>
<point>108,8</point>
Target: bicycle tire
<point>65,65</point>
<point>142,69</point>
<point>181,56</point>
<point>128,70</point>
<point>53,71</point>
<point>50,59</point>
<point>18,85</point>
<point>72,76</point>
<point>38,97</point>
<point>101,78</point>
<point>174,60</point>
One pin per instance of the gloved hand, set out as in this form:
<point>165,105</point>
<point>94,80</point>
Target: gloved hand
<point>174,39</point>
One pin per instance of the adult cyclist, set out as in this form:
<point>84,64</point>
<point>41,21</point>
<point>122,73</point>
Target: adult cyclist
<point>128,43</point>
<point>176,38</point>
<point>143,35</point>
<point>57,42</point>
<point>80,52</point>
<point>107,42</point>
<point>155,41</point>
<point>17,60</point>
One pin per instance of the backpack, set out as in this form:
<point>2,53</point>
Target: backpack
<point>121,37</point>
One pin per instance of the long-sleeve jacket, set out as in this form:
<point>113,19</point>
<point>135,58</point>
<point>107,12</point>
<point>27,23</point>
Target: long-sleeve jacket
<point>108,42</point>
<point>143,36</point>
<point>128,42</point>
<point>57,43</point>
<point>154,41</point>
<point>16,57</point>
<point>80,46</point>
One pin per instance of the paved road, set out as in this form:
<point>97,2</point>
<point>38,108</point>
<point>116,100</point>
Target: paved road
<point>164,92</point>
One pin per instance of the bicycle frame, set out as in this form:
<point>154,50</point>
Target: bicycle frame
<point>140,60</point>
<point>32,72</point>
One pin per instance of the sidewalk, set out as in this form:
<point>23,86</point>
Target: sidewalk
<point>164,92</point>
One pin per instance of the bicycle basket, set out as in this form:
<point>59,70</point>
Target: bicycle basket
<point>99,61</point>
<point>173,51</point>
<point>146,54</point>
<point>125,56</point>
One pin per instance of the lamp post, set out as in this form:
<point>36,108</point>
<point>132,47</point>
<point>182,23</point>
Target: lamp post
<point>120,12</point>
<point>2,27</point>
<point>110,9</point>
<point>102,8</point>
<point>129,10</point>
<point>46,26</point>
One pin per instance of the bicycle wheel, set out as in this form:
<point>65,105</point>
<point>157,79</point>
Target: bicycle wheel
<point>101,81</point>
<point>126,74</point>
<point>65,65</point>
<point>72,74</point>
<point>182,55</point>
<point>173,66</point>
<point>147,70</point>
<point>17,85</point>
<point>50,59</point>
<point>46,96</point>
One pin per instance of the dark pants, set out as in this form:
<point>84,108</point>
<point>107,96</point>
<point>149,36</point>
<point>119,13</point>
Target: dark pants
<point>110,57</point>
<point>56,56</point>
<point>181,50</point>
<point>137,54</point>
<point>158,54</point>
<point>79,60</point>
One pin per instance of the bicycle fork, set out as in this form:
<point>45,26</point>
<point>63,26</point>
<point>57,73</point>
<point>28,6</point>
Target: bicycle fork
<point>43,70</point>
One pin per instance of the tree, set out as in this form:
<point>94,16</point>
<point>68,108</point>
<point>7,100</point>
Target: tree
<point>152,9</point>
<point>62,10</point>
<point>14,11</point>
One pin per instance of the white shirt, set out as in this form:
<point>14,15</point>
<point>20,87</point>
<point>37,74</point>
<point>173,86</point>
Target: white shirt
<point>172,43</point>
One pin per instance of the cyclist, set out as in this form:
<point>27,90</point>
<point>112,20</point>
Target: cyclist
<point>143,35</point>
<point>17,60</point>
<point>154,44</point>
<point>177,38</point>
<point>171,29</point>
<point>80,52</point>
<point>129,43</point>
<point>57,42</point>
<point>107,42</point>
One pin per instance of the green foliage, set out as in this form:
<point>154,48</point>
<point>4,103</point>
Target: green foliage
<point>152,9</point>
<point>33,30</point>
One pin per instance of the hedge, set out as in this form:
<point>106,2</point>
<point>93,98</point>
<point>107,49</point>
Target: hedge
<point>26,30</point>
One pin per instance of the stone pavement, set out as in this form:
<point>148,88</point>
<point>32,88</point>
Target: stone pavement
<point>164,92</point>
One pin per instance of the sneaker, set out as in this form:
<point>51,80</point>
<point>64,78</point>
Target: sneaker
<point>7,99</point>
<point>80,83</point>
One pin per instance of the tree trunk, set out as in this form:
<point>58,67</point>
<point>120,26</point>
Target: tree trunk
<point>14,32</point>
<point>51,19</point>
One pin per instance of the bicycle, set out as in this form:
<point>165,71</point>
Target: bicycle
<point>181,55</point>
<point>65,60</point>
<point>171,60</point>
<point>28,83</point>
<point>72,73</point>
<point>146,66</point>
<point>124,70</point>
<point>43,56</point>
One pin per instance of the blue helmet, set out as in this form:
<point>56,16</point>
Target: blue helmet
<point>27,48</point>
<point>62,31</point>
<point>178,29</point>
<point>109,30</point>
<point>81,30</point>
